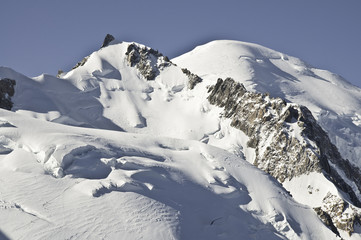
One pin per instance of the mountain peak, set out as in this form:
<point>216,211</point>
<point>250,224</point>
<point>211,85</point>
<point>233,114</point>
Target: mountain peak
<point>150,133</point>
<point>107,40</point>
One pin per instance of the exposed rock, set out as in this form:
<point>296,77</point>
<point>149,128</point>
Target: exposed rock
<point>193,78</point>
<point>108,38</point>
<point>287,140</point>
<point>60,72</point>
<point>147,60</point>
<point>326,219</point>
<point>81,63</point>
<point>7,90</point>
<point>254,114</point>
<point>343,215</point>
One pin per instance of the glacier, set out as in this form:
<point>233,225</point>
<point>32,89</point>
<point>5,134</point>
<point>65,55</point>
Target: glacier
<point>128,145</point>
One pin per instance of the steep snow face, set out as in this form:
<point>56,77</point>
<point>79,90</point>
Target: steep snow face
<point>119,185</point>
<point>334,102</point>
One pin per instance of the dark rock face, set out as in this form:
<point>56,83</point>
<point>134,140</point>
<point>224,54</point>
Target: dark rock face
<point>288,141</point>
<point>108,38</point>
<point>193,78</point>
<point>7,90</point>
<point>147,60</point>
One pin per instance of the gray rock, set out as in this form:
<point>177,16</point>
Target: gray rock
<point>7,90</point>
<point>193,78</point>
<point>146,60</point>
<point>343,215</point>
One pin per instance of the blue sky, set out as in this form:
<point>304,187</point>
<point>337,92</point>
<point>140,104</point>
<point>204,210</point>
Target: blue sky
<point>43,36</point>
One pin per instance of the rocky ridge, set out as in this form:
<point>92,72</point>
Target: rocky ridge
<point>147,60</point>
<point>288,143</point>
<point>81,63</point>
<point>150,62</point>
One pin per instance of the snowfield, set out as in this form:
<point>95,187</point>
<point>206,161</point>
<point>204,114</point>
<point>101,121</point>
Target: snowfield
<point>100,152</point>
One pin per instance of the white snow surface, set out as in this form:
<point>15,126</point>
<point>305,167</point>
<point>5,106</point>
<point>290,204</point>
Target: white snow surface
<point>102,153</point>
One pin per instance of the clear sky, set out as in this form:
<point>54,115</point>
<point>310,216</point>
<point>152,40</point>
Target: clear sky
<point>42,36</point>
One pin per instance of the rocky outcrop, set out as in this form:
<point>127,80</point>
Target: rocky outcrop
<point>108,38</point>
<point>7,90</point>
<point>268,123</point>
<point>343,215</point>
<point>147,60</point>
<point>81,63</point>
<point>193,78</point>
<point>150,62</point>
<point>287,140</point>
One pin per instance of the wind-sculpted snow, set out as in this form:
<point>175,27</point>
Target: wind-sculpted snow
<point>119,185</point>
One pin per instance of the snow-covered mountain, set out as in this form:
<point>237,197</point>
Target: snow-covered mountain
<point>131,145</point>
